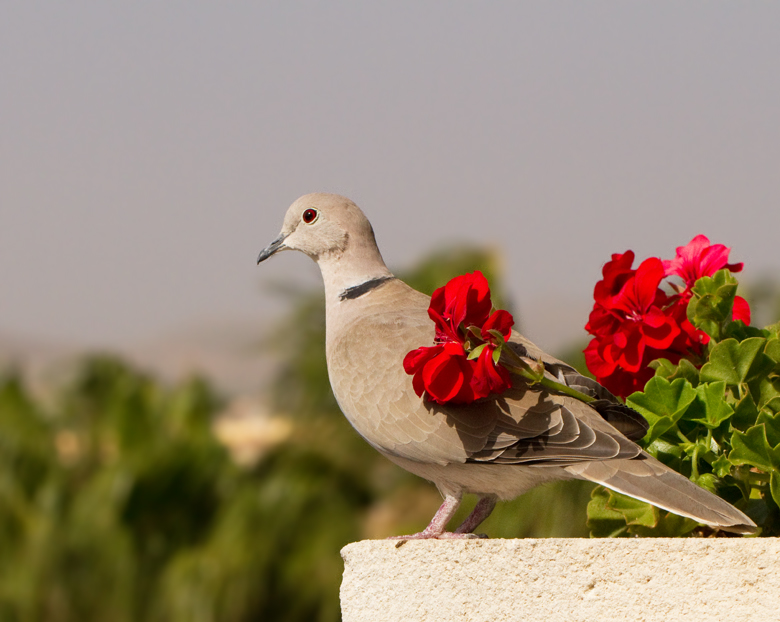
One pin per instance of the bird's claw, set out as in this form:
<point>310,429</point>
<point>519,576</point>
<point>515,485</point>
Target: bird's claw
<point>445,535</point>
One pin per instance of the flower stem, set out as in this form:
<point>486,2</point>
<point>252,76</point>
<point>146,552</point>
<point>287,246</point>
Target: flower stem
<point>522,368</point>
<point>536,376</point>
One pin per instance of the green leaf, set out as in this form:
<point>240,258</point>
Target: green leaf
<point>772,405</point>
<point>669,526</point>
<point>745,413</point>
<point>710,408</point>
<point>739,331</point>
<point>634,511</point>
<point>662,403</point>
<point>475,331</point>
<point>663,367</point>
<point>498,336</point>
<point>768,390</point>
<point>753,448</point>
<point>736,362</point>
<point>772,349</point>
<point>666,452</point>
<point>722,284</point>
<point>477,351</point>
<point>773,330</point>
<point>603,521</point>
<point>761,368</point>
<point>772,425</point>
<point>685,369</point>
<point>708,481</point>
<point>722,466</point>
<point>688,371</point>
<point>713,299</point>
<point>774,487</point>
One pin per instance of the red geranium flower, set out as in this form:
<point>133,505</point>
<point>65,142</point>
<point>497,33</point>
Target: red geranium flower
<point>700,258</point>
<point>629,323</point>
<point>444,371</point>
<point>635,322</point>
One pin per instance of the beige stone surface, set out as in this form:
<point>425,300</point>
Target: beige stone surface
<point>571,580</point>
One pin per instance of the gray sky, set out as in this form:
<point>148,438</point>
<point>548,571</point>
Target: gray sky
<point>148,151</point>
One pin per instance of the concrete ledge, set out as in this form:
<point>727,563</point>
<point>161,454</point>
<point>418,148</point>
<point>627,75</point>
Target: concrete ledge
<point>571,580</point>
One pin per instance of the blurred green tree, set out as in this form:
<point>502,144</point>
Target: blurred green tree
<point>120,504</point>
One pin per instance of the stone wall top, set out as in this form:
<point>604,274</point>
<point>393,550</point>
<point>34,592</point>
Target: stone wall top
<point>571,580</point>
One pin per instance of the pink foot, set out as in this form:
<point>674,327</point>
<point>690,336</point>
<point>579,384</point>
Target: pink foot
<point>444,535</point>
<point>436,529</point>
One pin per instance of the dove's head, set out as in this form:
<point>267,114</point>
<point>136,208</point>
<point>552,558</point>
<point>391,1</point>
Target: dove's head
<point>334,232</point>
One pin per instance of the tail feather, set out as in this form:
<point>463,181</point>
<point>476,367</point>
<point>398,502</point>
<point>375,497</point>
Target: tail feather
<point>646,479</point>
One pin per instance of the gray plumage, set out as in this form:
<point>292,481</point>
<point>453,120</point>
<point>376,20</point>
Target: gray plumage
<point>497,448</point>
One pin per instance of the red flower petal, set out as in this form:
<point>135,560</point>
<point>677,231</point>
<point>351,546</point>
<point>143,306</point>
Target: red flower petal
<point>446,375</point>
<point>699,258</point>
<point>418,383</point>
<point>444,331</point>
<point>615,273</point>
<point>601,321</point>
<point>632,352</point>
<point>501,321</point>
<point>597,361</point>
<point>658,329</point>
<point>488,377</point>
<point>414,363</point>
<point>740,310</point>
<point>623,383</point>
<point>471,302</point>
<point>416,359</point>
<point>463,300</point>
<point>639,292</point>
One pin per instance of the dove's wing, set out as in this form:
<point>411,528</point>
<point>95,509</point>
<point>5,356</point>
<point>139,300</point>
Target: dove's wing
<point>523,425</point>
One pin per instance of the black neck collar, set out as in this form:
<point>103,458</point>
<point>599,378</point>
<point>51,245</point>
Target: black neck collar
<point>356,291</point>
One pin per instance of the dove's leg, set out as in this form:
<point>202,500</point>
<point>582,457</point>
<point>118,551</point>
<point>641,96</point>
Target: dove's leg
<point>480,512</point>
<point>443,516</point>
<point>439,522</point>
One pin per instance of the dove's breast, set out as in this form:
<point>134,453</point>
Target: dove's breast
<point>365,352</point>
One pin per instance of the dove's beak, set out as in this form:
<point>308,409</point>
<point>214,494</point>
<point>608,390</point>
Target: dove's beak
<point>276,245</point>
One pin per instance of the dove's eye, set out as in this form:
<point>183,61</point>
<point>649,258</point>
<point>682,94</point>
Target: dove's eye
<point>310,215</point>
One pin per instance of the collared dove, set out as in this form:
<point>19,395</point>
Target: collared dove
<point>496,448</point>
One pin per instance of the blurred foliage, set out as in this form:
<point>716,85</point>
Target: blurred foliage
<point>763,294</point>
<point>118,503</point>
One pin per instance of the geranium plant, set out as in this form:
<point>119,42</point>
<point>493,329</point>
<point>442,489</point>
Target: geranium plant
<point>708,383</point>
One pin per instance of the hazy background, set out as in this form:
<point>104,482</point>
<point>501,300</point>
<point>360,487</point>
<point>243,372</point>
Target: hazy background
<point>148,151</point>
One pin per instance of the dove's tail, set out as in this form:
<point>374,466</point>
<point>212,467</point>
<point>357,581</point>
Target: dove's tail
<point>646,479</point>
